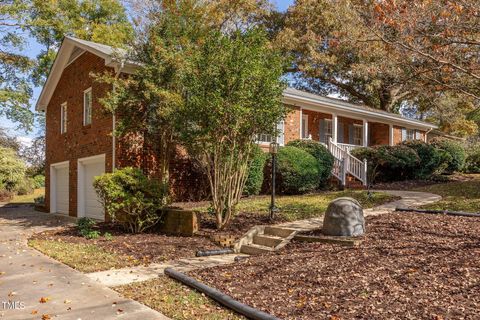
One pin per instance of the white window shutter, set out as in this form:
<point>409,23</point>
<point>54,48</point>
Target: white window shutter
<point>404,134</point>
<point>281,135</point>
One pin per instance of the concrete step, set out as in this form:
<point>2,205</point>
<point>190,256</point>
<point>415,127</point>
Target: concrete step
<point>278,231</point>
<point>254,249</point>
<point>266,240</point>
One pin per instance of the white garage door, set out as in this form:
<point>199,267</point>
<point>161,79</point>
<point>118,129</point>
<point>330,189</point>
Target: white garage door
<point>61,190</point>
<point>92,205</point>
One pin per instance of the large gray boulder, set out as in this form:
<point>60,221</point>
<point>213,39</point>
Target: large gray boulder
<point>344,217</point>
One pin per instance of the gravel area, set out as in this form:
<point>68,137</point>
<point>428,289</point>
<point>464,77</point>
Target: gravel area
<point>410,266</point>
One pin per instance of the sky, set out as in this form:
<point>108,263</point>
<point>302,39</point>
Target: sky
<point>33,49</point>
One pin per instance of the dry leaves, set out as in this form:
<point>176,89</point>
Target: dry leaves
<point>409,266</point>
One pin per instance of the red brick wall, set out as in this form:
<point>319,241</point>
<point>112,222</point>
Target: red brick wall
<point>379,134</point>
<point>292,124</point>
<point>79,141</point>
<point>314,122</point>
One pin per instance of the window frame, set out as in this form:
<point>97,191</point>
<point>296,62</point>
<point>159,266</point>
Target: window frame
<point>357,128</point>
<point>63,118</point>
<point>304,128</point>
<point>328,130</point>
<point>87,118</point>
<point>410,134</point>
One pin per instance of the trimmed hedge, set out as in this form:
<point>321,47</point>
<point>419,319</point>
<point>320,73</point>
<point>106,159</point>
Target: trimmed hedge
<point>389,163</point>
<point>397,162</point>
<point>297,171</point>
<point>432,160</point>
<point>472,163</point>
<point>254,181</point>
<point>321,153</point>
<point>455,152</point>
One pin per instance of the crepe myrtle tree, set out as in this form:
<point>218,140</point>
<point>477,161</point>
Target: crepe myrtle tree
<point>233,93</point>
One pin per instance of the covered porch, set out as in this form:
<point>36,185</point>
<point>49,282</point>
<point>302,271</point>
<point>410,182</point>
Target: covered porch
<point>346,131</point>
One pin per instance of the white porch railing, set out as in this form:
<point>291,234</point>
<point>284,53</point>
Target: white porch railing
<point>348,147</point>
<point>345,163</point>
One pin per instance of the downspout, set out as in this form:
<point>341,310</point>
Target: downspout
<point>426,134</point>
<point>114,139</point>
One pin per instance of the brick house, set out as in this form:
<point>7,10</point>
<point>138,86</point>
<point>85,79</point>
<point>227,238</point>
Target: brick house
<point>80,144</point>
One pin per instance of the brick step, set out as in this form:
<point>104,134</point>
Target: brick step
<point>254,249</point>
<point>267,240</point>
<point>278,231</point>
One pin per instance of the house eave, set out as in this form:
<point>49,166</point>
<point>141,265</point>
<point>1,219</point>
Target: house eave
<point>62,61</point>
<point>347,109</point>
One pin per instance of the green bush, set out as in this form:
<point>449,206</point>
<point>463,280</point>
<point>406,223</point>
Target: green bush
<point>297,171</point>
<point>85,228</point>
<point>432,160</point>
<point>131,199</point>
<point>371,155</point>
<point>254,181</point>
<point>321,153</point>
<point>472,163</point>
<point>39,181</point>
<point>26,186</point>
<point>456,154</point>
<point>12,170</point>
<point>389,163</point>
<point>40,200</point>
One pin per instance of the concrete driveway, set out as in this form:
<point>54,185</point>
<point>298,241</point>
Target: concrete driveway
<point>27,276</point>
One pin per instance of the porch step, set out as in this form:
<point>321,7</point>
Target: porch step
<point>254,249</point>
<point>267,241</point>
<point>278,232</point>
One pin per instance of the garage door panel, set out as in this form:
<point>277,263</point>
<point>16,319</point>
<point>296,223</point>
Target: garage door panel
<point>92,205</point>
<point>61,190</point>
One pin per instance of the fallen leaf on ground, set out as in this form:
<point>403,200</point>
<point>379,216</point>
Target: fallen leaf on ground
<point>44,300</point>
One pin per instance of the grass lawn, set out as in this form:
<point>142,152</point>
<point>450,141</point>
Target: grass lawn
<point>81,256</point>
<point>305,206</point>
<point>175,300</point>
<point>28,198</point>
<point>460,195</point>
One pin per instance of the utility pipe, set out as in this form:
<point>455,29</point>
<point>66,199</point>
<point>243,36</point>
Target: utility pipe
<point>220,297</point>
<point>445,212</point>
<point>206,253</point>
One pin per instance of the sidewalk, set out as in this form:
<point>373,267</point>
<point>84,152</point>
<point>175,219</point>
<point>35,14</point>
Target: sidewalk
<point>28,278</point>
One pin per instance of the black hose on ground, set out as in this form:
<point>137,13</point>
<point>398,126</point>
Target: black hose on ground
<point>446,212</point>
<point>206,253</point>
<point>220,297</point>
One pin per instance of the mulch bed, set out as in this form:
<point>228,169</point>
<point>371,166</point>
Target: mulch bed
<point>410,266</point>
<point>154,247</point>
<point>145,247</point>
<point>241,223</point>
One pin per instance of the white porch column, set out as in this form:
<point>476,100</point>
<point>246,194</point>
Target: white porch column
<point>365,133</point>
<point>334,128</point>
<point>301,127</point>
<point>390,135</point>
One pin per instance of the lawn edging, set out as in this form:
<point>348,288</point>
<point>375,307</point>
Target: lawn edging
<point>220,297</point>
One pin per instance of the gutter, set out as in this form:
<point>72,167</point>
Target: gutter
<point>426,134</point>
<point>345,107</point>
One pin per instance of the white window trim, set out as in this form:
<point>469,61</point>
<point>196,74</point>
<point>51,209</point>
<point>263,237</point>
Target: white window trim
<point>303,130</point>
<point>89,90</point>
<point>326,134</point>
<point>359,126</point>
<point>63,117</point>
<point>264,142</point>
